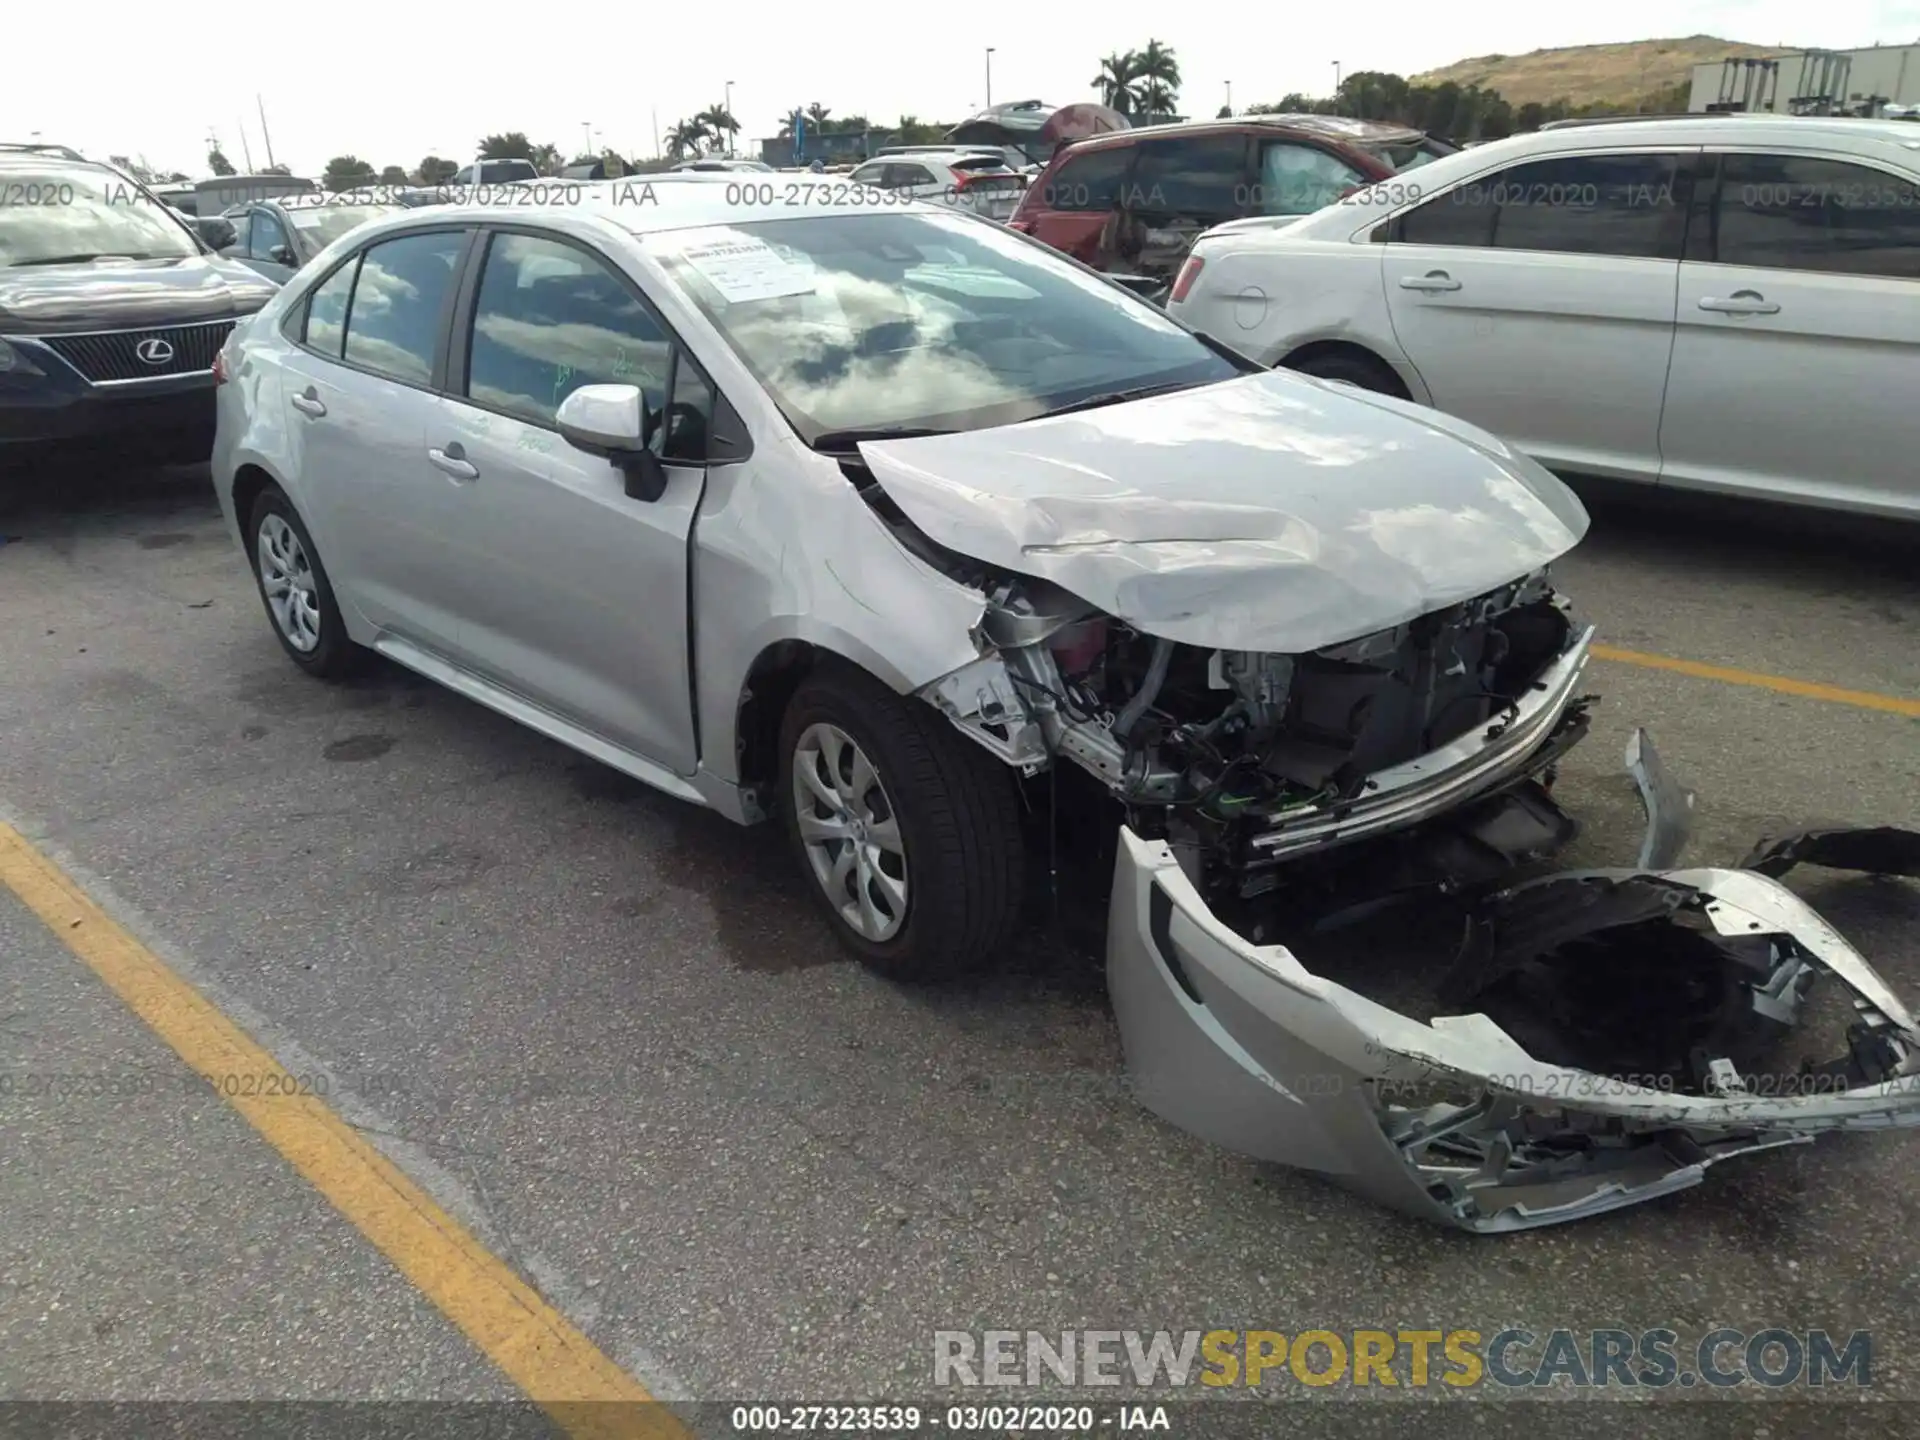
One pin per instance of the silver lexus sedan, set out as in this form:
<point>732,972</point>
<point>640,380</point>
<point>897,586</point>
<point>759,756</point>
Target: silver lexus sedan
<point>977,573</point>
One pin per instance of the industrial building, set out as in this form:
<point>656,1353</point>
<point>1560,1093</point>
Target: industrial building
<point>1880,80</point>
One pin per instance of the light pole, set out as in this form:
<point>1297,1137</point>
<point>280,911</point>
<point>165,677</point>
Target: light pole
<point>586,137</point>
<point>989,77</point>
<point>728,107</point>
<point>1229,97</point>
<point>1336,87</point>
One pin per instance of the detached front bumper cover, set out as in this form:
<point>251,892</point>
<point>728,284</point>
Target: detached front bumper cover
<point>1455,1120</point>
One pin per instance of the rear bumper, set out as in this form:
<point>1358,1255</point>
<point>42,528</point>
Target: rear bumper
<point>1245,1047</point>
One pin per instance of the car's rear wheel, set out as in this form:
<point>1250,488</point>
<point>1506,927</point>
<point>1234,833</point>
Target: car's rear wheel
<point>1364,371</point>
<point>295,590</point>
<point>908,833</point>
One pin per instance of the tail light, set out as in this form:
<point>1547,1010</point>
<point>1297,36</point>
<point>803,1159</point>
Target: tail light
<point>220,368</point>
<point>1183,282</point>
<point>1025,227</point>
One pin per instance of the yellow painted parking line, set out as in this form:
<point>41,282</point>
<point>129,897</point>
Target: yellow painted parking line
<point>1810,689</point>
<point>587,1395</point>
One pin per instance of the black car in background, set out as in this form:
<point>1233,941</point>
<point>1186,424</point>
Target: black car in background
<point>111,312</point>
<point>277,237</point>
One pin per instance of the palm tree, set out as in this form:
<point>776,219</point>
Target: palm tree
<point>817,116</point>
<point>1115,82</point>
<point>685,138</point>
<point>1158,73</point>
<point>718,122</point>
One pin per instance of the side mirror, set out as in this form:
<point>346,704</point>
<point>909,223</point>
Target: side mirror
<point>282,255</point>
<point>216,230</point>
<point>611,421</point>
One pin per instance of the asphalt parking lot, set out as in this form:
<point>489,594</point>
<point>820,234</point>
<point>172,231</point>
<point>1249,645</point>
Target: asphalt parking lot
<point>606,1032</point>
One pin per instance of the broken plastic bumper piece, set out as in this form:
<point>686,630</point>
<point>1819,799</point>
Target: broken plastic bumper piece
<point>1564,1106</point>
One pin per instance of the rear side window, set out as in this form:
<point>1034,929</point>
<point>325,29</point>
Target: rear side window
<point>327,310</point>
<point>398,303</point>
<point>1089,181</point>
<point>1623,205</point>
<point>1794,212</point>
<point>550,318</point>
<point>1204,175</point>
<point>1298,179</point>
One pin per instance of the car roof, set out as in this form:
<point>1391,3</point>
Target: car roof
<point>643,205</point>
<point>40,158</point>
<point>1342,128</point>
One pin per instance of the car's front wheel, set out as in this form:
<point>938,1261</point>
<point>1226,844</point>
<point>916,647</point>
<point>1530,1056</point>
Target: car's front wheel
<point>295,590</point>
<point>909,834</point>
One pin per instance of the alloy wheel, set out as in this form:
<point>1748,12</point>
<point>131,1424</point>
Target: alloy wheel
<point>288,582</point>
<point>850,832</point>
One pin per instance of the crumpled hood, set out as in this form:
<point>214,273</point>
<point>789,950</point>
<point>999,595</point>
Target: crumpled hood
<point>1272,512</point>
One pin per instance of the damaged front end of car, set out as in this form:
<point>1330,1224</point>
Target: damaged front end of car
<point>1317,686</point>
<point>1615,1029</point>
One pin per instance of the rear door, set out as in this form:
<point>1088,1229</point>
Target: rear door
<point>1180,186</point>
<point>359,389</point>
<point>584,605</point>
<point>1538,303</point>
<point>1796,361</point>
<point>1069,208</point>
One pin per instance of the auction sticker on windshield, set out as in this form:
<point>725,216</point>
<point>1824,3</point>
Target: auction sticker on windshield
<point>747,270</point>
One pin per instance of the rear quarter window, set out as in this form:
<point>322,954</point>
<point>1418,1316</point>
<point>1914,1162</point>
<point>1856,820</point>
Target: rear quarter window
<point>1090,181</point>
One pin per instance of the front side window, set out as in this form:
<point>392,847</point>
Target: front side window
<point>922,320</point>
<point>55,214</point>
<point>242,225</point>
<point>1088,182</point>
<point>1202,176</point>
<point>1795,212</point>
<point>1298,179</point>
<point>550,318</point>
<point>1629,205</point>
<point>267,235</point>
<point>398,302</point>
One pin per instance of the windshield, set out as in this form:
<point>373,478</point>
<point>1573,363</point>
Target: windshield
<point>922,321</point>
<point>55,214</point>
<point>326,224</point>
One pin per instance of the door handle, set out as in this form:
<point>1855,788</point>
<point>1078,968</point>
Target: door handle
<point>453,460</point>
<point>1742,302</point>
<point>309,403</point>
<point>1430,283</point>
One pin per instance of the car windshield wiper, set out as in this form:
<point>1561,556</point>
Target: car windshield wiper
<point>1116,397</point>
<point>848,439</point>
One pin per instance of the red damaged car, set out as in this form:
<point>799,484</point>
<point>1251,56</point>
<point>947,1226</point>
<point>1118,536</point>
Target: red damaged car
<point>1132,202</point>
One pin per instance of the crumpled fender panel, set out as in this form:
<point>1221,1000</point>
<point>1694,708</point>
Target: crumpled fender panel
<point>1454,1120</point>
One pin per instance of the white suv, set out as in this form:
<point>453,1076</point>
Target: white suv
<point>975,180</point>
<point>1723,302</point>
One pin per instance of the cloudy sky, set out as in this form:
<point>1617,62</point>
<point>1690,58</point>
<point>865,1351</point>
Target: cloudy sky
<point>390,82</point>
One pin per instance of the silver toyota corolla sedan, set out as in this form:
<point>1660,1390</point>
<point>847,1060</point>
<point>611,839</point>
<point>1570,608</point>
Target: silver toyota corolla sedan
<point>979,573</point>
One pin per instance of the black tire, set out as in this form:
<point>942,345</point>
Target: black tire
<point>334,657</point>
<point>958,816</point>
<point>1361,370</point>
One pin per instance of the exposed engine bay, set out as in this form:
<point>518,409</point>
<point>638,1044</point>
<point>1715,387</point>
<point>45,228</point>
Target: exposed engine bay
<point>1243,760</point>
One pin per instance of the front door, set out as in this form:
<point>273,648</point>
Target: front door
<point>581,604</point>
<point>1797,357</point>
<point>1538,303</point>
